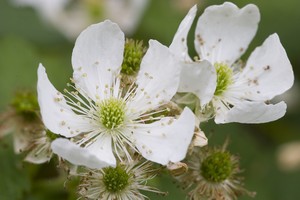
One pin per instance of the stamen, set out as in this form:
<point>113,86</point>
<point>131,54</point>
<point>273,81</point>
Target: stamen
<point>224,78</point>
<point>111,113</point>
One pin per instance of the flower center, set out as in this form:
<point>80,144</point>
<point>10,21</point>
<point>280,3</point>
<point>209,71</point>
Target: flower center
<point>217,167</point>
<point>112,113</point>
<point>115,179</point>
<point>224,78</point>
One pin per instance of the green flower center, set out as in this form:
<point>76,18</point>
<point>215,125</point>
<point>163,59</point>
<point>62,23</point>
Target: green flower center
<point>115,179</point>
<point>112,113</point>
<point>133,54</point>
<point>224,78</point>
<point>217,167</point>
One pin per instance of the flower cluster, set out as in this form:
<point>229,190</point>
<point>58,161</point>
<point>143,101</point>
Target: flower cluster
<point>126,104</point>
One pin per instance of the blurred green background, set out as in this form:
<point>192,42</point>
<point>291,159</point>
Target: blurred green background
<point>26,41</point>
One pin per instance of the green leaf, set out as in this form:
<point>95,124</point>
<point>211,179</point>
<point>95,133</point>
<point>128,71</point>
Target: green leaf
<point>14,180</point>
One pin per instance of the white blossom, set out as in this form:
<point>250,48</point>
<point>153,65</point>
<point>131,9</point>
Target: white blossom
<point>124,182</point>
<point>71,17</point>
<point>235,92</point>
<point>39,148</point>
<point>29,135</point>
<point>99,120</point>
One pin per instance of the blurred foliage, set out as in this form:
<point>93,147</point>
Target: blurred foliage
<point>14,182</point>
<point>26,41</point>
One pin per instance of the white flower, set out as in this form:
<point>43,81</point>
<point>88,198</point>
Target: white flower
<point>237,93</point>
<point>29,137</point>
<point>22,121</point>
<point>71,17</point>
<point>39,148</point>
<point>102,120</point>
<point>124,182</point>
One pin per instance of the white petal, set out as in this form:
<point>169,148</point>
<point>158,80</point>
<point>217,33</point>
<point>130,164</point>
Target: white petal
<point>200,140</point>
<point>34,158</point>
<point>162,143</point>
<point>223,32</point>
<point>157,80</point>
<point>268,71</point>
<point>97,57</point>
<point>198,78</point>
<point>40,154</point>
<point>179,43</point>
<point>90,157</point>
<point>22,140</point>
<point>252,113</point>
<point>102,149</point>
<point>57,116</point>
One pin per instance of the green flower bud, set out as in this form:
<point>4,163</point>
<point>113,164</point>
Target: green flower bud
<point>133,54</point>
<point>25,103</point>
